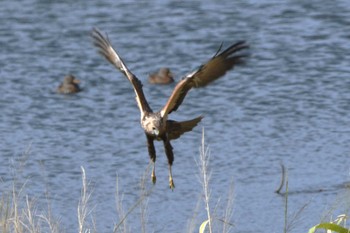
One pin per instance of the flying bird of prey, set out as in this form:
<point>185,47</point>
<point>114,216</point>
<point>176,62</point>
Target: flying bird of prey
<point>156,124</point>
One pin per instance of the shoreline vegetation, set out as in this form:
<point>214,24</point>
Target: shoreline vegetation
<point>19,212</point>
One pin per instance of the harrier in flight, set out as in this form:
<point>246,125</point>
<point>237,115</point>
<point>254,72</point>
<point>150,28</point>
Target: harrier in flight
<point>156,124</point>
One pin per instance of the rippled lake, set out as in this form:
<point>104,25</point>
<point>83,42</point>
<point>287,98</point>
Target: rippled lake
<point>289,104</point>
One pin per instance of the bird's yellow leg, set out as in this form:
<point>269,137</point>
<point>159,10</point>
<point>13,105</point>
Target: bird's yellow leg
<point>171,182</point>
<point>153,176</point>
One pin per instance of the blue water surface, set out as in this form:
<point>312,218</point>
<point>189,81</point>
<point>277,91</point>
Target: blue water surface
<point>289,104</point>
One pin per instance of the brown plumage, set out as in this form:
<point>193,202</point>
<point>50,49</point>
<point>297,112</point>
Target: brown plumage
<point>156,124</point>
<point>69,85</point>
<point>163,76</point>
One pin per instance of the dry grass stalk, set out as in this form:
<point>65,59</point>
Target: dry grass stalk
<point>83,211</point>
<point>204,156</point>
<point>122,226</point>
<point>229,210</point>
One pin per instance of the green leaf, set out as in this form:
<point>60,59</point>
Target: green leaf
<point>203,226</point>
<point>329,226</point>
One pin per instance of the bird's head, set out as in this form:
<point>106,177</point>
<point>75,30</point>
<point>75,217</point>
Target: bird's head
<point>153,125</point>
<point>69,79</point>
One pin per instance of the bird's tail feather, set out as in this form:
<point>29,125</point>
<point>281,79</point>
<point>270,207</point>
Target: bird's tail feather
<point>175,129</point>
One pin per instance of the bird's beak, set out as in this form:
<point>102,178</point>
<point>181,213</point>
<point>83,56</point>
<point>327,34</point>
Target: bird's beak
<point>156,132</point>
<point>76,81</point>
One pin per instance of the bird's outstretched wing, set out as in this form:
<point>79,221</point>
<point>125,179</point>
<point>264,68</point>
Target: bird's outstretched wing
<point>106,49</point>
<point>216,67</point>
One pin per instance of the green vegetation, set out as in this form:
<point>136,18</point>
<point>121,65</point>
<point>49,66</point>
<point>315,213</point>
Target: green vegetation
<point>338,225</point>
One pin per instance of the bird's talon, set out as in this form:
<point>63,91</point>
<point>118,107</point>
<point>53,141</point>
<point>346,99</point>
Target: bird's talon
<point>154,179</point>
<point>171,184</point>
